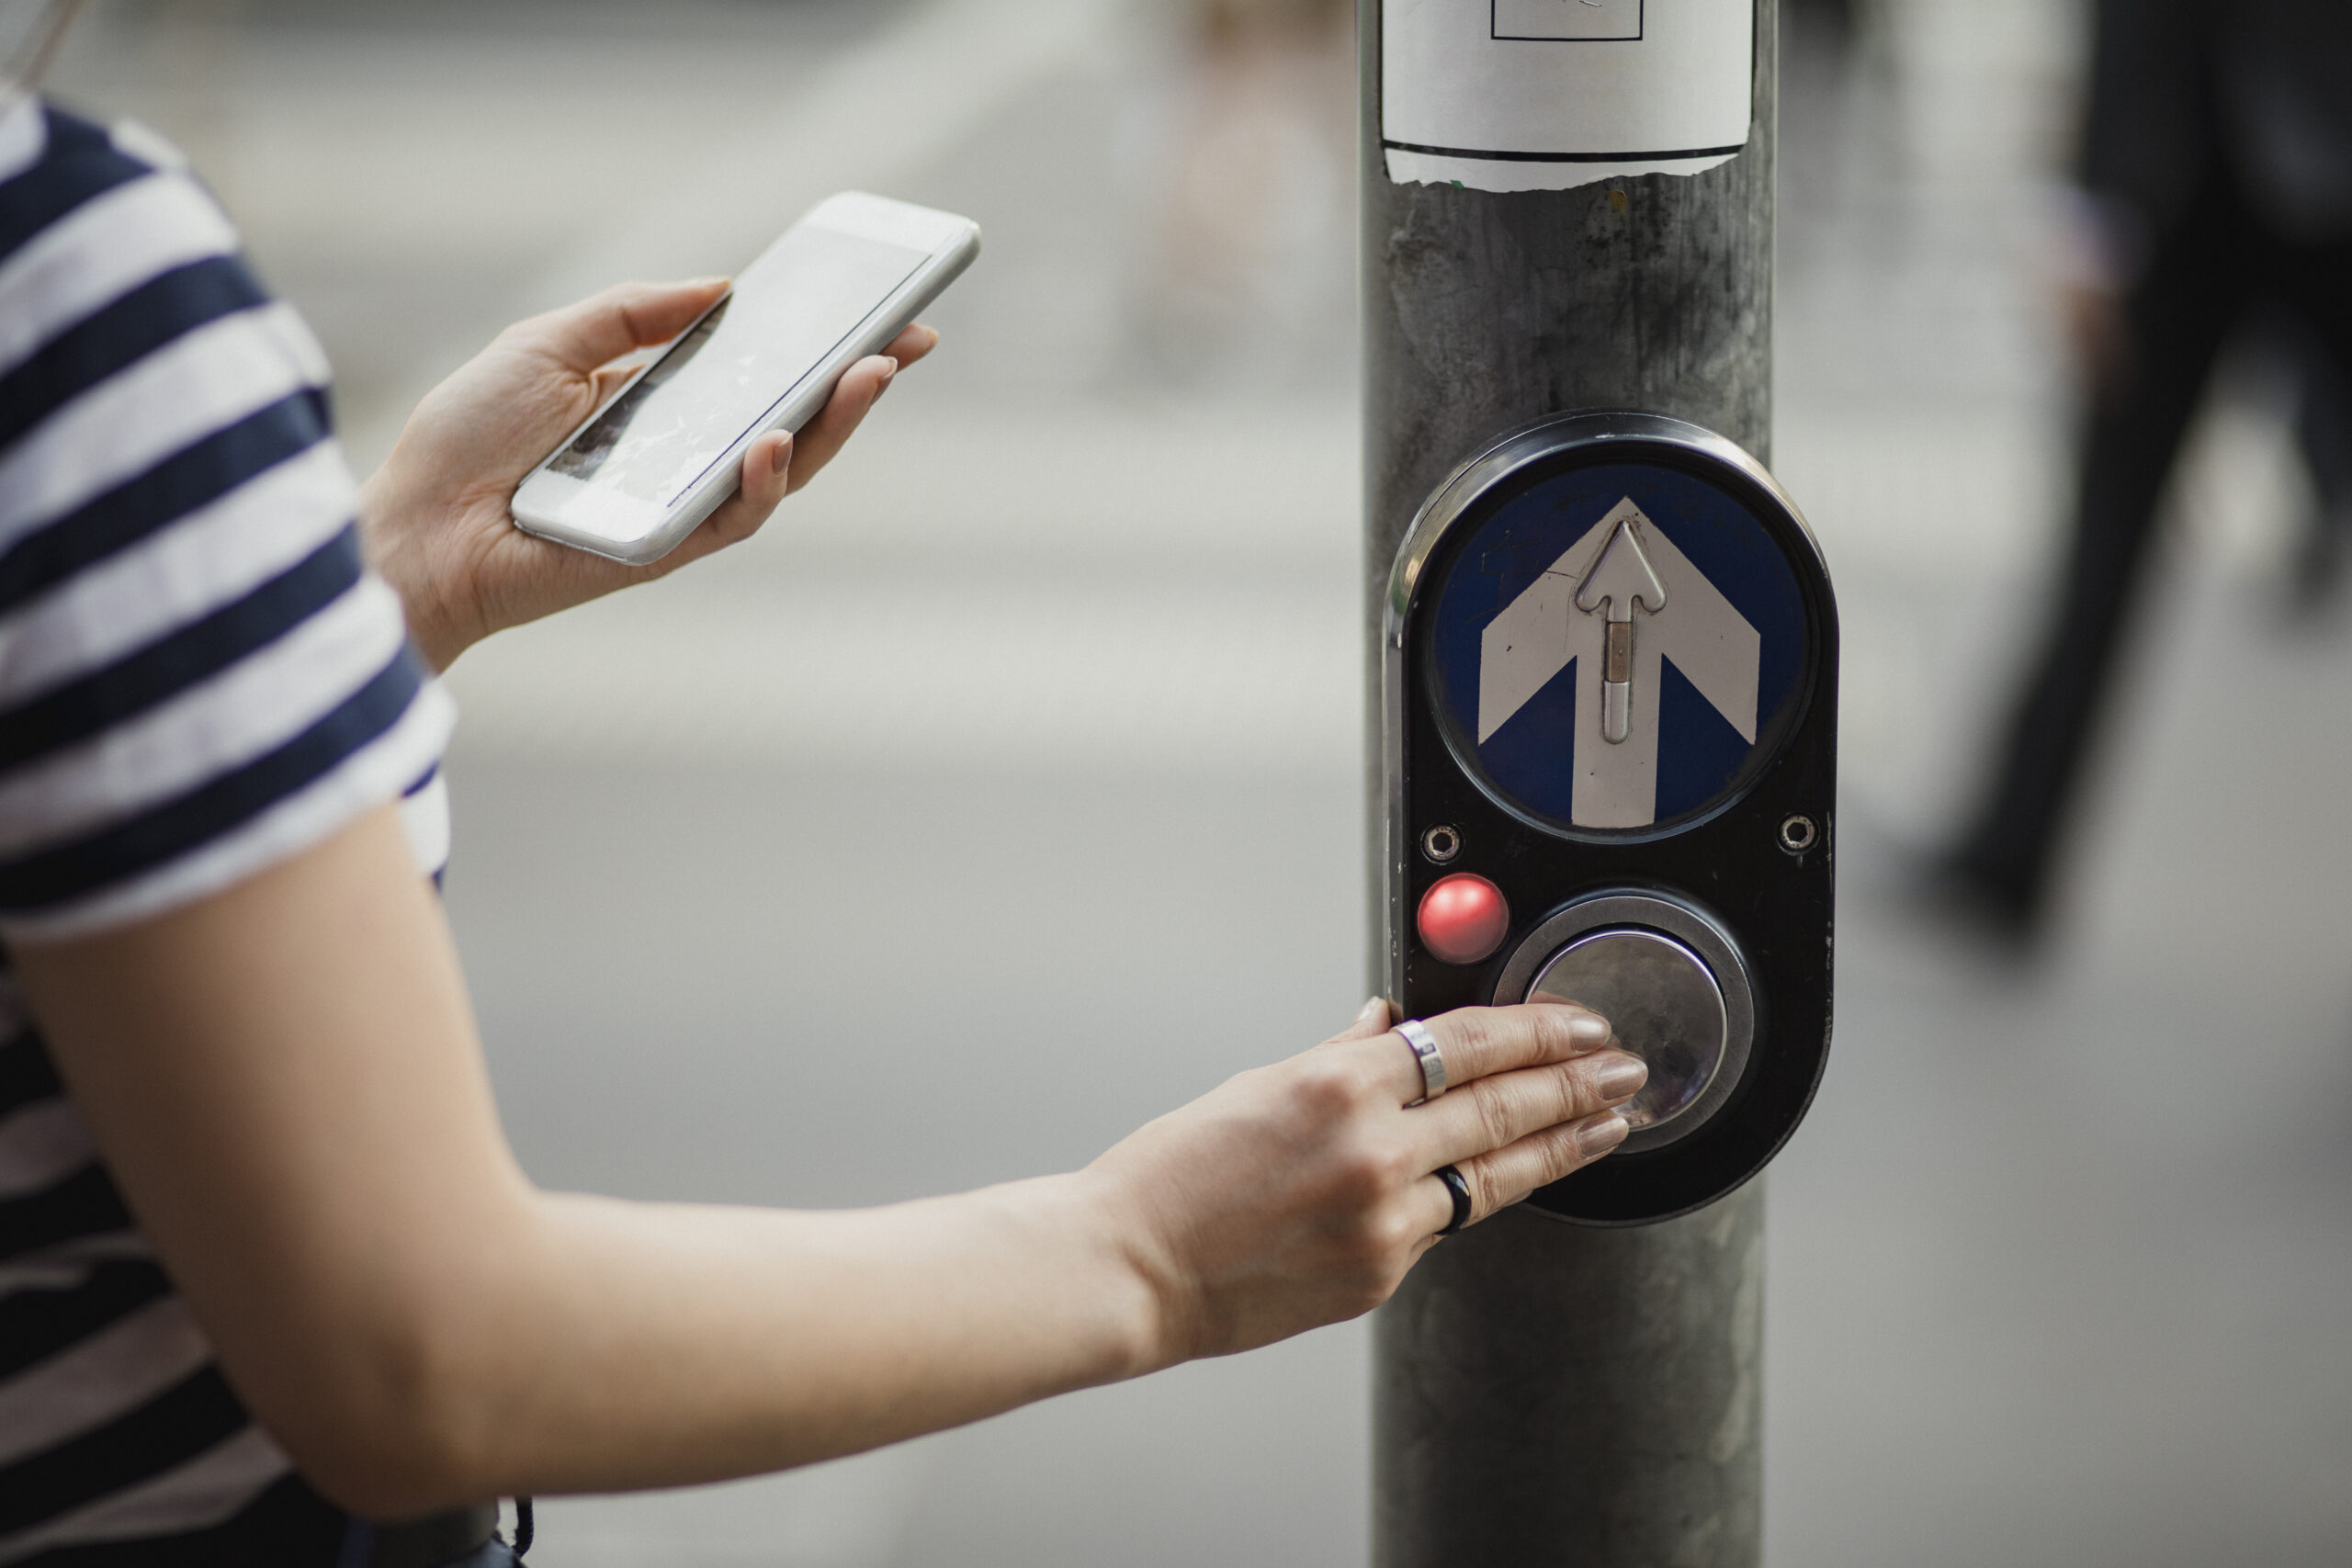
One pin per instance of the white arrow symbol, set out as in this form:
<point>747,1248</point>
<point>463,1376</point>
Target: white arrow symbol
<point>1544,630</point>
<point>1620,580</point>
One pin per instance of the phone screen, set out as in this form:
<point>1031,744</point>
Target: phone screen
<point>789,309</point>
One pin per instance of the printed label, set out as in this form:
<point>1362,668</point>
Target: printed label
<point>1543,95</point>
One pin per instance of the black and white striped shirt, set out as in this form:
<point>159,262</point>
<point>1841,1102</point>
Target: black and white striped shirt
<point>198,678</point>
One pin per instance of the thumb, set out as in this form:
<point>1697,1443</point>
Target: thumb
<point>622,319</point>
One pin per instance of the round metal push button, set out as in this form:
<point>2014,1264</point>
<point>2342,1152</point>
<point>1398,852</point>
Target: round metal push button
<point>1670,982</point>
<point>1664,1005</point>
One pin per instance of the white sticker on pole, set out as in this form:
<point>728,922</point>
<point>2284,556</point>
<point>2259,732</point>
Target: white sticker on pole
<point>1543,95</point>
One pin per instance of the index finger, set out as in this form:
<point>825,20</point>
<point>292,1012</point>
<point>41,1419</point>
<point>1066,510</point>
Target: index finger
<point>1477,1042</point>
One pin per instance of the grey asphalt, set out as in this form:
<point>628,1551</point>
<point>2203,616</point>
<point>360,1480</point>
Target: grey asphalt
<point>1004,795</point>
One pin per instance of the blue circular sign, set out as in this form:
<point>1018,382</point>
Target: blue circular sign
<point>1618,648</point>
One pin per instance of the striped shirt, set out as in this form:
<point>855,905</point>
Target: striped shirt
<point>198,678</point>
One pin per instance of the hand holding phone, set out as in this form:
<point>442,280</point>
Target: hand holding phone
<point>436,515</point>
<point>640,475</point>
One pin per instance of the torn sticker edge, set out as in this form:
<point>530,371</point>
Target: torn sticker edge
<point>1526,171</point>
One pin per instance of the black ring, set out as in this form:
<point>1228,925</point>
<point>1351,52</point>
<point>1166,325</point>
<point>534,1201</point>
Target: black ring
<point>1461,1192</point>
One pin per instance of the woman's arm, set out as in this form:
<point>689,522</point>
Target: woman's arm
<point>286,1081</point>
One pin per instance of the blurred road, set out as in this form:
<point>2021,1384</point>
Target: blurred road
<point>1003,792</point>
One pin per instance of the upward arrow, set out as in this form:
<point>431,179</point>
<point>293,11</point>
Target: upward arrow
<point>1621,575</point>
<point>1615,565</point>
<point>1620,580</point>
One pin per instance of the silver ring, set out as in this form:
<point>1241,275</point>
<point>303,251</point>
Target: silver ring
<point>1425,1050</point>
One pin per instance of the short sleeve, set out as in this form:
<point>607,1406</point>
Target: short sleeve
<point>198,674</point>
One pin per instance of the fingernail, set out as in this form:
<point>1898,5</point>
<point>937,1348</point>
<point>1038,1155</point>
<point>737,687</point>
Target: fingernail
<point>1376,1007</point>
<point>780,459</point>
<point>1619,1076</point>
<point>889,374</point>
<point>1596,1136</point>
<point>714,282</point>
<point>1588,1031</point>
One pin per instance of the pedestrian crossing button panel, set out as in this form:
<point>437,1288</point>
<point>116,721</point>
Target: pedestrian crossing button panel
<point>1608,738</point>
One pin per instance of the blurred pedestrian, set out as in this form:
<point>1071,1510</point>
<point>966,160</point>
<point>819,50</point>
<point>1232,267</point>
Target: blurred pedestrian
<point>1835,22</point>
<point>2322,390</point>
<point>2215,188</point>
<point>1249,241</point>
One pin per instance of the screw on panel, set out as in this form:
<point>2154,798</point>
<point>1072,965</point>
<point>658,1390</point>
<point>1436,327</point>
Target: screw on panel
<point>1441,844</point>
<point>1798,834</point>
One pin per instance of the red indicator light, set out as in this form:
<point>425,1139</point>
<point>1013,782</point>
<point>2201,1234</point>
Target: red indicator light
<point>1463,919</point>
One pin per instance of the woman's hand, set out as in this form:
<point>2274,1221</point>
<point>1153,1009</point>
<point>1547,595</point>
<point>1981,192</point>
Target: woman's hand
<point>1299,1194</point>
<point>436,515</point>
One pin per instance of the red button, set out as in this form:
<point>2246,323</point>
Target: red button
<point>1463,919</point>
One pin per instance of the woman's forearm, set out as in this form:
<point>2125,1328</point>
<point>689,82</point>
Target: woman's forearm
<point>649,1345</point>
<point>286,1082</point>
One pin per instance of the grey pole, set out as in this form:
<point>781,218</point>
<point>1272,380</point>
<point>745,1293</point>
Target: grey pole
<point>1543,1394</point>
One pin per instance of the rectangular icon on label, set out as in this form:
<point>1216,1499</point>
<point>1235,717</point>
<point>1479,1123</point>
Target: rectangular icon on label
<point>1571,20</point>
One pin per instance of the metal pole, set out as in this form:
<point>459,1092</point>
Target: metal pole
<point>1547,1395</point>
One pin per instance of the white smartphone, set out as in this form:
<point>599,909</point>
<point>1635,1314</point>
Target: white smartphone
<point>668,447</point>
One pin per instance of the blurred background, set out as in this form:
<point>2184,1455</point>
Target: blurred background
<point>1004,792</point>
